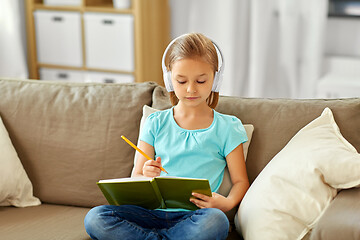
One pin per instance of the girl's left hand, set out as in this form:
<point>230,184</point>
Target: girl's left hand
<point>216,201</point>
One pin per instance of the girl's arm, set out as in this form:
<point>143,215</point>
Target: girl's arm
<point>239,178</point>
<point>144,167</point>
<point>237,169</point>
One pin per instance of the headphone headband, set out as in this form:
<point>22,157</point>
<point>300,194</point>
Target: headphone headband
<point>217,77</point>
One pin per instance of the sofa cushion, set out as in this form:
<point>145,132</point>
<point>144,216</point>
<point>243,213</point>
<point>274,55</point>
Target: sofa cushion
<point>296,187</point>
<point>15,186</point>
<point>68,135</point>
<point>277,120</point>
<point>43,222</point>
<point>342,219</point>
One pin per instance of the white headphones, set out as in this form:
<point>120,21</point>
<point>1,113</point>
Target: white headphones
<point>218,74</point>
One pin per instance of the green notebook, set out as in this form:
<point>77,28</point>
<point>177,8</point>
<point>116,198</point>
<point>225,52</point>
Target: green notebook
<point>151,193</point>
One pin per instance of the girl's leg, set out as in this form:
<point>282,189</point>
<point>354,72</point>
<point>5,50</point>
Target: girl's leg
<point>122,222</point>
<point>132,222</point>
<point>207,224</point>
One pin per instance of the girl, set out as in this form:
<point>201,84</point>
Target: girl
<point>189,140</point>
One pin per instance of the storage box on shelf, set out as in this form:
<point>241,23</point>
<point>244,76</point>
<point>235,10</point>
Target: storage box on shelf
<point>109,41</point>
<point>121,40</point>
<point>108,77</point>
<point>121,4</point>
<point>53,74</point>
<point>62,2</point>
<point>58,36</point>
<point>61,75</point>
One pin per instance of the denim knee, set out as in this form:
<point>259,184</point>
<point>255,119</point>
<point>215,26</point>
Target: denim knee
<point>217,224</point>
<point>93,221</point>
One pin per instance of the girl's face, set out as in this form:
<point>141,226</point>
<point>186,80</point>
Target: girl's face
<point>192,79</point>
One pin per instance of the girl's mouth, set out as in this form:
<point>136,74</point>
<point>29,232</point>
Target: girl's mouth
<point>191,98</point>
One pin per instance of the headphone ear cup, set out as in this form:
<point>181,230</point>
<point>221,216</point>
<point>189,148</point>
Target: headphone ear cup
<point>167,81</point>
<point>216,83</point>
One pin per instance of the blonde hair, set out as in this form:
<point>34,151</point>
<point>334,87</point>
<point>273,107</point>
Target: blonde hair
<point>193,45</point>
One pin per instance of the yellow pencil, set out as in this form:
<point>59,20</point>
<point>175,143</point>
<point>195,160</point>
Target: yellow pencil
<point>140,151</point>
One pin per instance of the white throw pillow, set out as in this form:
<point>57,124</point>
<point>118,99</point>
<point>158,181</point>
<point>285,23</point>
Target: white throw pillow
<point>292,192</point>
<point>15,186</point>
<point>226,184</point>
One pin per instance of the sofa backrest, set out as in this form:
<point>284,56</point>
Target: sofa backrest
<point>276,121</point>
<point>68,135</point>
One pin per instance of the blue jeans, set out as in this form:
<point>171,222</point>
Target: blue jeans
<point>133,222</point>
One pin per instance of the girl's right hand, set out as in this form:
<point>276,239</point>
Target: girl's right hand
<point>151,168</point>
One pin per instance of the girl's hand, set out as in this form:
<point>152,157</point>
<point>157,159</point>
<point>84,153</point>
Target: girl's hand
<point>151,168</point>
<point>216,201</point>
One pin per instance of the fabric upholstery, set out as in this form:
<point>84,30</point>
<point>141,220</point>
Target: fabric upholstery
<point>342,219</point>
<point>43,222</point>
<point>277,120</point>
<point>58,132</point>
<point>68,135</point>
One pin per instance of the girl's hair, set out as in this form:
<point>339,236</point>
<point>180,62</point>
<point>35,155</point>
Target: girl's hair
<point>193,45</point>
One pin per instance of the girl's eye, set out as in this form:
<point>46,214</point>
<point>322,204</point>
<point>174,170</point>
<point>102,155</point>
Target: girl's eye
<point>181,82</point>
<point>201,82</point>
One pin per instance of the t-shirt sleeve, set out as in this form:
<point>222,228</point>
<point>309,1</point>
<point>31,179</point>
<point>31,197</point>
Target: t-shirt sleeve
<point>236,135</point>
<point>149,128</point>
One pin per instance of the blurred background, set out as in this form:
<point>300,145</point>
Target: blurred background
<point>272,48</point>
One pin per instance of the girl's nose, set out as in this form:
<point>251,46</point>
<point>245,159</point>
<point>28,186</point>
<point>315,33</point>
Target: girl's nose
<point>191,88</point>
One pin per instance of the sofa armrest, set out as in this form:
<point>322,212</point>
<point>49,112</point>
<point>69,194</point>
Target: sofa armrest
<point>342,219</point>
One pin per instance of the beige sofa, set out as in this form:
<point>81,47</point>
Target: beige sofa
<point>67,136</point>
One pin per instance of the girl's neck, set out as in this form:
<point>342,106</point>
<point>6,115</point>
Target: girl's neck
<point>200,110</point>
<point>193,118</point>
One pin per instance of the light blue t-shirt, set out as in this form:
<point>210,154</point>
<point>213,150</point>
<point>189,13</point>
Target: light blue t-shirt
<point>193,153</point>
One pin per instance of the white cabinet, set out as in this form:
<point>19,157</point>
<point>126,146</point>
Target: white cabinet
<point>109,41</point>
<point>338,86</point>
<point>58,37</point>
<point>342,78</point>
<point>61,75</point>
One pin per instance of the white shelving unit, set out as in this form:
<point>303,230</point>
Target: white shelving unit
<point>91,40</point>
